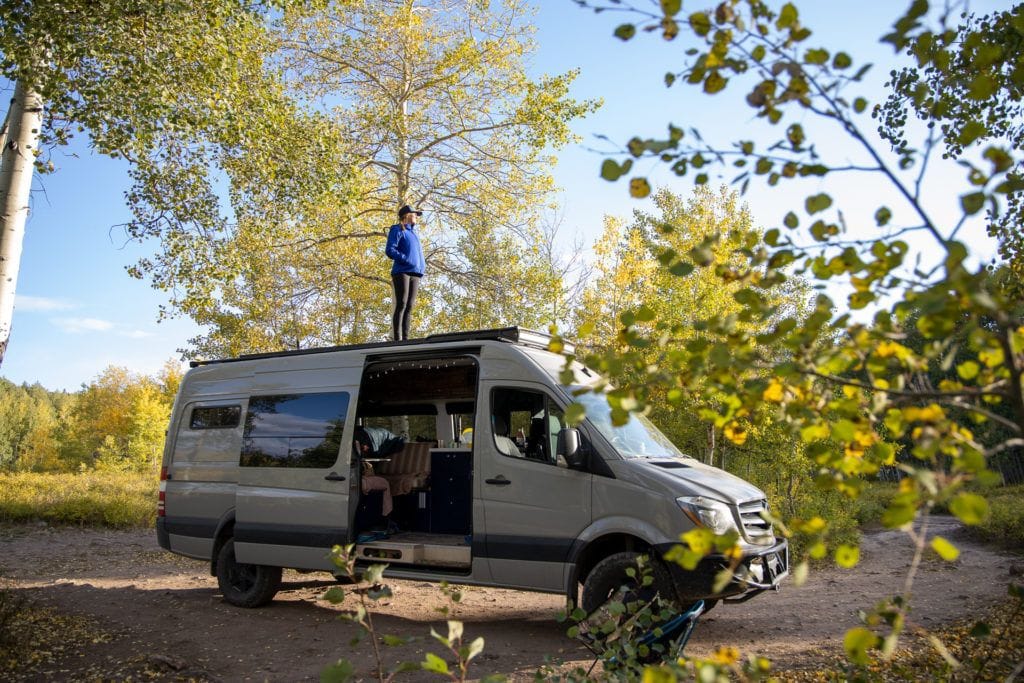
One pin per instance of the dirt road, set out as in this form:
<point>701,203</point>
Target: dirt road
<point>125,608</point>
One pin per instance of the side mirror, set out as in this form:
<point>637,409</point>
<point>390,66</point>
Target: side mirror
<point>569,447</point>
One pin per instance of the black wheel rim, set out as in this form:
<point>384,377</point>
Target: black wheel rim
<point>242,577</point>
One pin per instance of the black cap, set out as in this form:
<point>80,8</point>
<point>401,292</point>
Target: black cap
<point>405,209</point>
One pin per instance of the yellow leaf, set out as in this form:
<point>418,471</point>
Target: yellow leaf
<point>700,540</point>
<point>639,188</point>
<point>889,349</point>
<point>847,556</point>
<point>991,357</point>
<point>735,433</point>
<point>945,549</point>
<point>774,392</point>
<point>815,525</point>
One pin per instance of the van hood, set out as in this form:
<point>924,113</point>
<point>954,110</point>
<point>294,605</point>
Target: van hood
<point>693,478</point>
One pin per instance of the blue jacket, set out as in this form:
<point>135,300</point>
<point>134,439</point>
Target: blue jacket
<point>404,249</point>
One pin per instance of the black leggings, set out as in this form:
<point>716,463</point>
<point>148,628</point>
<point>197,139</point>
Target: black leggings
<point>406,286</point>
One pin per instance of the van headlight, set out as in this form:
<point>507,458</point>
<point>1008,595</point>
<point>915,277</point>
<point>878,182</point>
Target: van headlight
<point>712,514</point>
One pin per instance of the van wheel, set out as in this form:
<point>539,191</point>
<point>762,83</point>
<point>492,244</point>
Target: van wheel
<point>245,585</point>
<point>609,575</point>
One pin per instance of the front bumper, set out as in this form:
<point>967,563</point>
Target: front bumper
<point>760,570</point>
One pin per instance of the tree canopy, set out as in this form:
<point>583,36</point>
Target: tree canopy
<point>179,90</point>
<point>855,389</point>
<point>430,105</point>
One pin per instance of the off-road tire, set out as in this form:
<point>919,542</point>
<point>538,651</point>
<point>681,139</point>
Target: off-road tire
<point>245,585</point>
<point>610,573</point>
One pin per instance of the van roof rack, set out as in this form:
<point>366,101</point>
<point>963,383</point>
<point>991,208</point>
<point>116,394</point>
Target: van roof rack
<point>511,335</point>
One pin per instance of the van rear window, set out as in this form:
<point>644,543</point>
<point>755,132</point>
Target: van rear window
<point>215,417</point>
<point>294,430</point>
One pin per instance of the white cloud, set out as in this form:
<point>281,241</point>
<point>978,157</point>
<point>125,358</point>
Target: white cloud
<point>79,325</point>
<point>137,334</point>
<point>25,303</point>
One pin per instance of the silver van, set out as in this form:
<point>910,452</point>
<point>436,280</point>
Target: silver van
<point>448,458</point>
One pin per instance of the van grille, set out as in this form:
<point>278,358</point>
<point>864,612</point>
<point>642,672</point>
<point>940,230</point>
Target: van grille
<point>755,528</point>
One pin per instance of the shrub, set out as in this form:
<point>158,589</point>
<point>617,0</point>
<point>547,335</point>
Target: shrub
<point>111,499</point>
<point>1005,524</point>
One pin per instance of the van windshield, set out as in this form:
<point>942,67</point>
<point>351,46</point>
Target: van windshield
<point>638,438</point>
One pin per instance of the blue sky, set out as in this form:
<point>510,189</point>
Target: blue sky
<point>77,311</point>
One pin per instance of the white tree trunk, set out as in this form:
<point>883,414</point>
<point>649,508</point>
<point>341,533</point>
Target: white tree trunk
<point>710,460</point>
<point>24,121</point>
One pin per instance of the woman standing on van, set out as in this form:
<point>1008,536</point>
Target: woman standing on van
<point>404,249</point>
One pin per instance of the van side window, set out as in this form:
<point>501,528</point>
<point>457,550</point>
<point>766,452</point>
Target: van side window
<point>294,430</point>
<point>215,417</point>
<point>526,425</point>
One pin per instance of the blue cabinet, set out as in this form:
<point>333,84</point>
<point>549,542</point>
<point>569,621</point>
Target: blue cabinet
<point>451,491</point>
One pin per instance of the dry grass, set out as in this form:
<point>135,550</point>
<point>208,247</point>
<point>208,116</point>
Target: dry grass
<point>118,500</point>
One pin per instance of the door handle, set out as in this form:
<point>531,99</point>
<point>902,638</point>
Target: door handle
<point>334,476</point>
<point>500,481</point>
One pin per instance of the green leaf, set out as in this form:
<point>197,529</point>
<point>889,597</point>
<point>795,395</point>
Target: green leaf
<point>898,514</point>
<point>700,23</point>
<point>625,31</point>
<point>971,131</point>
<point>847,556</point>
<point>842,61</point>
<point>883,216</point>
<point>787,16</point>
<point>574,414</point>
<point>790,220</point>
<point>816,56</point>
<point>714,82</point>
<point>972,202</point>
<point>405,667</point>
<point>335,595</point>
<point>795,135</point>
<point>860,104</point>
<point>393,641</point>
<point>814,432</point>
<point>857,642</point>
<point>981,630</point>
<point>817,202</point>
<point>969,508</point>
<point>1000,158</point>
<point>681,269</point>
<point>722,579</point>
<point>644,314</point>
<point>945,549</point>
<point>982,87</point>
<point>968,370</point>
<point>612,170</point>
<point>339,672</point>
<point>844,430</point>
<point>434,663</point>
<point>671,7</point>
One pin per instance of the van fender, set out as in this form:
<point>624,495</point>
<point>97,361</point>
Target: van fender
<point>225,530</point>
<point>607,536</point>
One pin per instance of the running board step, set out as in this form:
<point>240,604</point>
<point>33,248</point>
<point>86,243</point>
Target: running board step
<point>416,554</point>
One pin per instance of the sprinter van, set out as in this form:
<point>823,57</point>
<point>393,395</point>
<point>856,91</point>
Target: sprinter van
<point>266,457</point>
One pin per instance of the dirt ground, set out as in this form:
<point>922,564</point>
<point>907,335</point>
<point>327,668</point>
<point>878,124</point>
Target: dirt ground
<point>129,610</point>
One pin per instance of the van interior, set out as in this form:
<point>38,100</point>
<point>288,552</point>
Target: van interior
<point>430,401</point>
